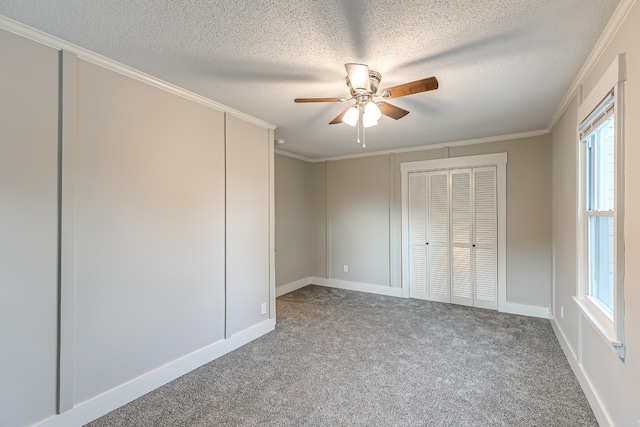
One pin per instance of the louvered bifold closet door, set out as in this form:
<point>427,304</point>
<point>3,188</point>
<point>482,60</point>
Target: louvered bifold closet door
<point>461,237</point>
<point>418,235</point>
<point>438,265</point>
<point>485,237</point>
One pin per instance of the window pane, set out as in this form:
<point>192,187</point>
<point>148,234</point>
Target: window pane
<point>602,163</point>
<point>601,259</point>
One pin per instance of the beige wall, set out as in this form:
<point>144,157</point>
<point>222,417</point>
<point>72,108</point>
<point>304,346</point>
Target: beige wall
<point>293,219</point>
<point>318,187</point>
<point>615,383</point>
<point>356,216</point>
<point>564,215</point>
<point>358,219</point>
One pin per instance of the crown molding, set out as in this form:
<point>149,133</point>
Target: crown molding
<point>293,155</point>
<point>609,32</point>
<point>87,55</point>
<point>484,140</point>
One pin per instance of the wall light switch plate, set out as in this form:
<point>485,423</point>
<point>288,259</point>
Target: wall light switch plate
<point>345,268</point>
<point>562,311</point>
<point>263,308</point>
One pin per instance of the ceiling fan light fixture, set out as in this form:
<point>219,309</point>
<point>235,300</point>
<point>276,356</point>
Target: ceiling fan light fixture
<point>368,122</point>
<point>358,76</point>
<point>351,116</point>
<point>371,112</point>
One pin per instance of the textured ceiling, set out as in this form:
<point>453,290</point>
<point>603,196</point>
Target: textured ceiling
<point>503,65</point>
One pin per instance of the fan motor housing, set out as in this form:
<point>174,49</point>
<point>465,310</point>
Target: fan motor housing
<point>374,81</point>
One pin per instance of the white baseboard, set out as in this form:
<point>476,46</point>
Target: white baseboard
<point>512,308</point>
<point>338,284</point>
<point>106,402</point>
<point>592,397</point>
<point>356,286</point>
<point>528,310</point>
<point>292,286</point>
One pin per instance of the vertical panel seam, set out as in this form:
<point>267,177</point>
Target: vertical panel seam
<point>391,176</point>
<point>226,206</point>
<point>327,240</point>
<point>59,235</point>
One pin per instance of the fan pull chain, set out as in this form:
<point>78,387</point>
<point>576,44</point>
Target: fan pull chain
<point>360,118</point>
<point>363,137</point>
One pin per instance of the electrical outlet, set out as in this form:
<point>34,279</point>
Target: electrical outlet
<point>345,268</point>
<point>263,308</point>
<point>562,311</point>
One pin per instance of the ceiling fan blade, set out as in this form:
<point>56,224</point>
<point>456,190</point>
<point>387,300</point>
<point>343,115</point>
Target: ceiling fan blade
<point>391,110</point>
<point>339,117</point>
<point>298,100</point>
<point>358,76</point>
<point>424,85</point>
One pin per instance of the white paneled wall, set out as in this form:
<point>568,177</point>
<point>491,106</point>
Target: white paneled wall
<point>149,229</point>
<point>165,241</point>
<point>28,230</point>
<point>247,224</point>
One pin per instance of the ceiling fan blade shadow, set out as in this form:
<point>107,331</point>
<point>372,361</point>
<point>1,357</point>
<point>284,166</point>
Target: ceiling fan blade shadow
<point>392,111</point>
<point>424,105</point>
<point>338,118</point>
<point>354,13</point>
<point>419,86</point>
<point>256,74</point>
<point>253,71</point>
<point>474,47</point>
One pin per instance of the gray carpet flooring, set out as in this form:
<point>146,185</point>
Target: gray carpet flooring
<point>341,358</point>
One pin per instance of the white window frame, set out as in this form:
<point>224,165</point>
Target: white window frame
<point>612,329</point>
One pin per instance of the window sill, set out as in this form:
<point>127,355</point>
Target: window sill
<point>601,322</point>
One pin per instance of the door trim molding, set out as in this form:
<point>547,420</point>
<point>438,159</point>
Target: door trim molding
<point>499,160</point>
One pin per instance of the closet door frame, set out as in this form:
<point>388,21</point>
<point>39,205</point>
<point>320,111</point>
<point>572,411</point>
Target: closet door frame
<point>499,160</point>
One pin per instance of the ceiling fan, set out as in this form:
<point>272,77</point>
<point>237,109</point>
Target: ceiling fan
<point>369,103</point>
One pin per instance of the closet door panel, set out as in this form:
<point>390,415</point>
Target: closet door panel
<point>485,278</point>
<point>461,207</point>
<point>418,236</point>
<point>438,218</point>
<point>485,235</point>
<point>438,237</point>
<point>418,272</point>
<point>439,274</point>
<point>461,284</point>
<point>461,234</point>
<point>485,206</point>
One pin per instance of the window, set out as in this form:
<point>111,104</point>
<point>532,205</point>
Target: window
<point>600,293</point>
<point>600,195</point>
